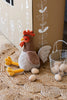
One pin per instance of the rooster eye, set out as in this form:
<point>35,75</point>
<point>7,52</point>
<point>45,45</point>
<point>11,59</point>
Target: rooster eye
<point>25,39</point>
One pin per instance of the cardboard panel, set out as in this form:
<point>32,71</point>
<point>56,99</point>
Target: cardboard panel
<point>48,21</point>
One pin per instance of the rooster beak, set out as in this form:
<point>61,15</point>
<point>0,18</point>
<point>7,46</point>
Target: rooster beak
<point>22,39</point>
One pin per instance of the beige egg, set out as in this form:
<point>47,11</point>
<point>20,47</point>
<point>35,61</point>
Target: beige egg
<point>58,77</point>
<point>63,67</point>
<point>57,63</point>
<point>55,69</point>
<point>32,78</point>
<point>35,71</point>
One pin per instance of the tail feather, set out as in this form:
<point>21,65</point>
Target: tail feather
<point>44,53</point>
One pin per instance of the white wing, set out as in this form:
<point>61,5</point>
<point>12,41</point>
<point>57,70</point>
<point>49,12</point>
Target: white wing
<point>44,53</point>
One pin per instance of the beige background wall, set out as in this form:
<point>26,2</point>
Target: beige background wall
<point>15,19</point>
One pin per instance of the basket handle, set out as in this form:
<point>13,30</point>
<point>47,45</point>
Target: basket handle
<point>55,44</point>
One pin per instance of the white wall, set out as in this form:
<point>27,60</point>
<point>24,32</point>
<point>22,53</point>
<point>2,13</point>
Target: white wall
<point>15,19</point>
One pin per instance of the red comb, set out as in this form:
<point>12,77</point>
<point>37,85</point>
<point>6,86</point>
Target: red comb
<point>28,32</point>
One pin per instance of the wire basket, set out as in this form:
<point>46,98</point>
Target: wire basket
<point>58,59</point>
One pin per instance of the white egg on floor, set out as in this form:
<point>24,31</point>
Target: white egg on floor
<point>58,77</point>
<point>32,78</point>
<point>35,71</point>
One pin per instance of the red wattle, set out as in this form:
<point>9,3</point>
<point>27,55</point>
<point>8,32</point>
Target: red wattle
<point>21,44</point>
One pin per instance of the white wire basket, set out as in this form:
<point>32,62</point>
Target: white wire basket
<point>58,59</point>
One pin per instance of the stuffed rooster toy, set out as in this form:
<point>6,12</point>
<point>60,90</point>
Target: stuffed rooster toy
<point>28,58</point>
